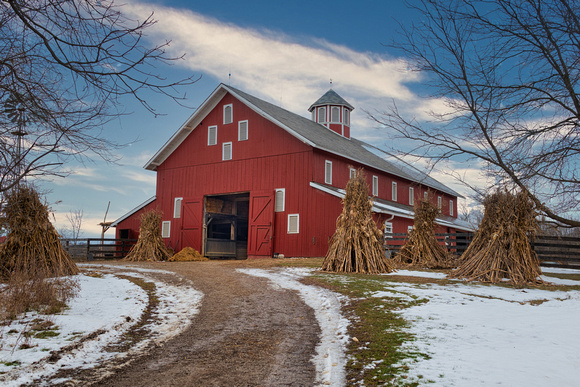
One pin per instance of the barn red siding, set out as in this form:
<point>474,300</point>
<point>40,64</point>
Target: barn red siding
<point>133,222</point>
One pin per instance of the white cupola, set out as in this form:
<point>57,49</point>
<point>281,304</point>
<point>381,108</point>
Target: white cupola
<point>332,111</point>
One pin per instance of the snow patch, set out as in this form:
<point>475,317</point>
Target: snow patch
<point>106,307</point>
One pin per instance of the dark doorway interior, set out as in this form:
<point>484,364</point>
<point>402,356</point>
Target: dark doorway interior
<point>226,225</point>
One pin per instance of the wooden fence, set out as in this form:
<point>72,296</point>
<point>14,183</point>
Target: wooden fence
<point>97,248</point>
<point>456,243</point>
<point>552,251</point>
<point>556,251</point>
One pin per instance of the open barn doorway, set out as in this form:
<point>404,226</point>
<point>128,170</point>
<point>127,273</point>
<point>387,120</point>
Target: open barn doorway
<point>226,225</point>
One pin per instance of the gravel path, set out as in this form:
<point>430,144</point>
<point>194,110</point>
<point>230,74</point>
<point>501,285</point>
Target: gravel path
<point>246,334</point>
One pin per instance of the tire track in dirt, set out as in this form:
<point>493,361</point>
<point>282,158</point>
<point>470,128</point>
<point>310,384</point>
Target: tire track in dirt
<point>245,334</point>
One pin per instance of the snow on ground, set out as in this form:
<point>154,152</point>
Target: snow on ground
<point>108,305</point>
<point>491,335</point>
<point>330,360</point>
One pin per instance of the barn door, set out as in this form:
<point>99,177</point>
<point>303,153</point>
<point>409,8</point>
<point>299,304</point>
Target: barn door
<point>192,222</point>
<point>261,223</point>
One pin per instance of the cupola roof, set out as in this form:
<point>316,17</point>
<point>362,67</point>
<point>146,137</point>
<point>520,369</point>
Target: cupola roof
<point>331,97</point>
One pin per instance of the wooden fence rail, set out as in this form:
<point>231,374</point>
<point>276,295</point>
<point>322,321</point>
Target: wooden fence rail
<point>456,243</point>
<point>97,248</point>
<point>552,251</point>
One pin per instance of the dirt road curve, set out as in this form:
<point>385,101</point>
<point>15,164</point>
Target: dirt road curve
<point>246,334</point>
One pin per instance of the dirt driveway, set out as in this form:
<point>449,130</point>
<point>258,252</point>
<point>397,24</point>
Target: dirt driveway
<point>247,333</point>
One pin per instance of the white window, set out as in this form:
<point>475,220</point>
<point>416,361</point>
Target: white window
<point>293,223</point>
<point>388,230</point>
<point>375,186</point>
<point>352,174</point>
<point>243,130</point>
<point>409,228</point>
<point>328,172</point>
<point>165,229</point>
<point>212,135</point>
<point>394,192</point>
<point>227,151</point>
<point>425,195</point>
<point>346,116</point>
<point>451,207</point>
<point>228,114</point>
<point>177,207</point>
<point>321,115</point>
<point>335,114</point>
<point>411,196</point>
<point>280,200</point>
<point>439,202</point>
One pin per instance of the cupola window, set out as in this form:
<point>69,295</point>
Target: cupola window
<point>321,115</point>
<point>335,114</point>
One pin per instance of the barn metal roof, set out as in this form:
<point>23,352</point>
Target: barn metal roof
<point>309,132</point>
<point>397,209</point>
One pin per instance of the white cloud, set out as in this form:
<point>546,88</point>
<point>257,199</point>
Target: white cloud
<point>280,68</point>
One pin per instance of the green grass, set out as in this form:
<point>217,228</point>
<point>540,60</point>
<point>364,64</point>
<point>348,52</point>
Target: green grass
<point>46,334</point>
<point>14,363</point>
<point>377,357</point>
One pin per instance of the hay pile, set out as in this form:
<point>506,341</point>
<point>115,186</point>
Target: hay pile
<point>150,245</point>
<point>422,248</point>
<point>32,247</point>
<point>188,254</point>
<point>501,247</point>
<point>357,246</point>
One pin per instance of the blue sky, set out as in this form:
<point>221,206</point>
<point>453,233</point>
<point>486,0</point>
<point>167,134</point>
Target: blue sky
<point>284,53</point>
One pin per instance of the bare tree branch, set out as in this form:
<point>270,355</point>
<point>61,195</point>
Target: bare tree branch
<point>509,74</point>
<point>64,66</point>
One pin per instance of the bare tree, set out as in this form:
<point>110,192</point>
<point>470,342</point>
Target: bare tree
<point>75,219</point>
<point>64,66</point>
<point>508,74</point>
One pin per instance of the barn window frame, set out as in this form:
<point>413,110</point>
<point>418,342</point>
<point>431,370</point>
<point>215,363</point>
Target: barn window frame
<point>375,185</point>
<point>328,172</point>
<point>352,173</point>
<point>212,140</point>
<point>280,200</point>
<point>411,196</point>
<point>439,202</point>
<point>243,133</point>
<point>228,113</point>
<point>321,111</point>
<point>394,191</point>
<point>335,114</point>
<point>291,224</point>
<point>227,155</point>
<point>450,207</point>
<point>346,116</point>
<point>166,229</point>
<point>388,233</point>
<point>177,207</point>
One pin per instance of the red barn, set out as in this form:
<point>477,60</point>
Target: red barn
<point>245,178</point>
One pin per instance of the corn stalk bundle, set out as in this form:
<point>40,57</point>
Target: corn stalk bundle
<point>150,245</point>
<point>501,248</point>
<point>32,247</point>
<point>422,248</point>
<point>188,254</point>
<point>357,246</point>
